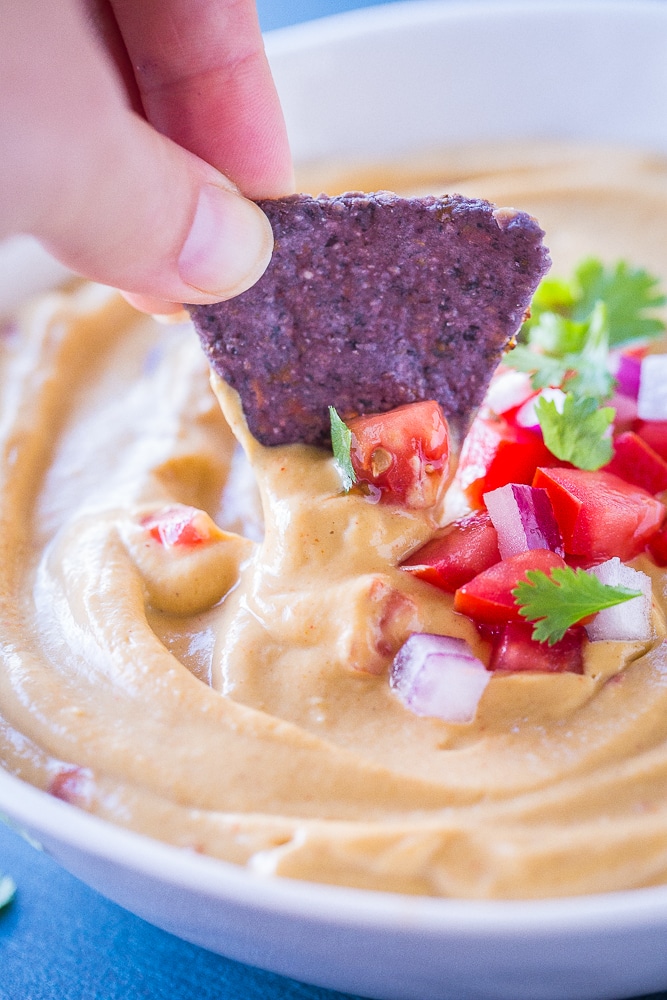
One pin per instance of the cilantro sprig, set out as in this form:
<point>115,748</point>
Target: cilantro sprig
<point>630,296</point>
<point>578,433</point>
<point>341,442</point>
<point>566,344</point>
<point>560,599</point>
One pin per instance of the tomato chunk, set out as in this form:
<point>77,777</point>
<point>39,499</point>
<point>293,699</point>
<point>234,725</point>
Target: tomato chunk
<point>657,547</point>
<point>600,516</point>
<point>488,598</point>
<point>495,453</point>
<point>457,553</point>
<point>179,524</point>
<point>516,651</point>
<point>403,453</point>
<point>637,463</point>
<point>654,432</point>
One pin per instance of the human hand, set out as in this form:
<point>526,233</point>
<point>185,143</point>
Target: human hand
<point>127,129</point>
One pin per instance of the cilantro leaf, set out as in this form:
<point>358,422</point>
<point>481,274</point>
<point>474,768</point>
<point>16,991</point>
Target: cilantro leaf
<point>7,890</point>
<point>545,370</point>
<point>555,334</point>
<point>560,308</point>
<point>590,374</point>
<point>341,442</point>
<point>578,434</point>
<point>559,600</point>
<point>627,293</point>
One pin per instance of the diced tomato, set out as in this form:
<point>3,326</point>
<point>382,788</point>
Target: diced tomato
<point>404,453</point>
<point>654,432</point>
<point>657,547</point>
<point>488,596</point>
<point>495,453</point>
<point>179,524</point>
<point>600,515</point>
<point>71,783</point>
<point>457,553</point>
<point>515,650</point>
<point>637,463</point>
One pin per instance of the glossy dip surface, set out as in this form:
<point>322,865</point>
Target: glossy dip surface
<point>233,698</point>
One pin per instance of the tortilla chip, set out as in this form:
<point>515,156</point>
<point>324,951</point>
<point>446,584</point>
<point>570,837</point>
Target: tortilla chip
<point>371,302</point>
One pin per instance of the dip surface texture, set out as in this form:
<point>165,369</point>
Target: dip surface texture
<point>232,697</point>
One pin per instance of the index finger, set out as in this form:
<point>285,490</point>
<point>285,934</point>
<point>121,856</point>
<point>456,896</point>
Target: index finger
<point>205,82</point>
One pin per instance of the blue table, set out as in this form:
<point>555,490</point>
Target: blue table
<point>60,940</point>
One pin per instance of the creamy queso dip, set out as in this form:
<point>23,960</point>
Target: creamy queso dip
<point>233,698</point>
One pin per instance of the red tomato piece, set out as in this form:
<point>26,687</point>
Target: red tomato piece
<point>403,453</point>
<point>637,463</point>
<point>515,650</point>
<point>495,453</point>
<point>457,553</point>
<point>181,525</point>
<point>488,596</point>
<point>600,515</point>
<point>657,547</point>
<point>654,432</point>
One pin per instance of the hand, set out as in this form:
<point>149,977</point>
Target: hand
<point>128,129</point>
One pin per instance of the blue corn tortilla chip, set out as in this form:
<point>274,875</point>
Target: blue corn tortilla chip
<point>372,301</point>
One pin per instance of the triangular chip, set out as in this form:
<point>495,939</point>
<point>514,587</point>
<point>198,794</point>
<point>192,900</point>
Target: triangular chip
<point>371,302</point>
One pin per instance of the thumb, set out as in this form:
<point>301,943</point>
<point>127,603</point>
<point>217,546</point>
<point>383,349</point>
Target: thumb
<point>154,220</point>
<point>107,194</point>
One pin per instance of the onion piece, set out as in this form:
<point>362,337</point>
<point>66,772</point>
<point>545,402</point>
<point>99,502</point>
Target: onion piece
<point>628,621</point>
<point>439,676</point>
<point>524,519</point>
<point>527,417</point>
<point>508,390</point>
<point>627,375</point>
<point>652,399</point>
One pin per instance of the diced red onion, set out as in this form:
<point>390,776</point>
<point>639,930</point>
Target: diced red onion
<point>652,399</point>
<point>438,676</point>
<point>628,371</point>
<point>630,620</point>
<point>524,519</point>
<point>527,417</point>
<point>509,389</point>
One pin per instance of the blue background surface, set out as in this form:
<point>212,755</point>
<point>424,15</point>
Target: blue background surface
<point>59,940</point>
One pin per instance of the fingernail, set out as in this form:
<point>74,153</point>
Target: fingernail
<point>229,244</point>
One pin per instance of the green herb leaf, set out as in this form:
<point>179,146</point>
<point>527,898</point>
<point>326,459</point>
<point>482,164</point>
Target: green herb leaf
<point>7,890</point>
<point>578,434</point>
<point>341,442</point>
<point>545,370</point>
<point>628,293</point>
<point>559,600</point>
<point>630,296</point>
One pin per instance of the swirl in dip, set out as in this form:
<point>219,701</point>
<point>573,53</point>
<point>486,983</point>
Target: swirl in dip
<point>231,696</point>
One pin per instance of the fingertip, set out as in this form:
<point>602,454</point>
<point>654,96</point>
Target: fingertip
<point>228,246</point>
<point>159,309</point>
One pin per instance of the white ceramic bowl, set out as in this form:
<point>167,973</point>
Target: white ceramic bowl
<point>367,85</point>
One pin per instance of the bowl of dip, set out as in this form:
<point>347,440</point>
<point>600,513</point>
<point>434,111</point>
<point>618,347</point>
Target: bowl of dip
<point>263,806</point>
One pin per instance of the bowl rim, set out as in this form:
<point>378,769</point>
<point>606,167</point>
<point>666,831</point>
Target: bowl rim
<point>394,16</point>
<point>41,815</point>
